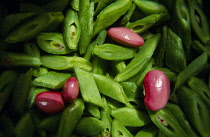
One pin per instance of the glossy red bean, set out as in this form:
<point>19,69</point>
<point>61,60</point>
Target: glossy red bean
<point>125,36</point>
<point>71,90</point>
<point>157,90</point>
<point>50,102</point>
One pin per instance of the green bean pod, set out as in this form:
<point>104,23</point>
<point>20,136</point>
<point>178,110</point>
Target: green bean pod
<point>101,4</point>
<point>140,60</point>
<point>99,65</point>
<point>147,22</point>
<point>71,30</point>
<point>119,130</point>
<point>11,59</point>
<point>105,116</point>
<point>93,110</point>
<point>130,116</point>
<point>149,130</point>
<point>201,88</point>
<point>52,80</point>
<point>8,23</point>
<point>161,47</point>
<point>130,89</point>
<point>88,88</point>
<point>25,126</point>
<point>75,4</point>
<point>70,118</point>
<point>114,52</point>
<point>150,7</point>
<point>86,13</point>
<point>118,66</point>
<point>55,5</point>
<point>7,79</point>
<point>20,95</point>
<point>182,119</point>
<point>65,62</point>
<point>167,123</point>
<point>127,17</point>
<point>52,43</point>
<point>32,49</point>
<point>50,123</point>
<point>191,70</point>
<point>111,14</point>
<point>200,47</point>
<point>86,124</point>
<point>175,56</point>
<point>195,109</point>
<point>110,88</point>
<point>29,29</point>
<point>180,22</point>
<point>199,21</point>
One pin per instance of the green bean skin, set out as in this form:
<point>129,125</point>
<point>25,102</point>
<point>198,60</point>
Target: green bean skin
<point>149,130</point>
<point>28,30</point>
<point>175,56</point>
<point>88,89</point>
<point>69,118</point>
<point>140,60</point>
<point>72,29</point>
<point>56,5</point>
<point>150,7</point>
<point>130,116</point>
<point>114,52</point>
<point>195,109</point>
<point>52,43</point>
<point>8,23</point>
<point>86,14</point>
<point>65,62</point>
<point>11,60</point>
<point>75,4</point>
<point>84,126</point>
<point>190,70</point>
<point>110,14</point>
<point>52,80</point>
<point>109,87</point>
<point>118,129</point>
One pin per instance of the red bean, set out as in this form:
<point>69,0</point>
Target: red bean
<point>50,102</point>
<point>157,90</point>
<point>71,90</point>
<point>125,36</point>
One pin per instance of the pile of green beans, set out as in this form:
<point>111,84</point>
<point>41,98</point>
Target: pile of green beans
<point>43,43</point>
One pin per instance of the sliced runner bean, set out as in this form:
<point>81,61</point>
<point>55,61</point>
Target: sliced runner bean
<point>52,43</point>
<point>110,14</point>
<point>32,49</point>
<point>99,65</point>
<point>28,30</point>
<point>175,56</point>
<point>150,7</point>
<point>140,60</point>
<point>11,59</point>
<point>110,88</point>
<point>75,4</point>
<point>130,116</point>
<point>190,70</point>
<point>149,130</point>
<point>90,126</point>
<point>72,29</point>
<point>119,130</point>
<point>88,88</point>
<point>65,62</point>
<point>93,110</point>
<point>86,13</point>
<point>70,118</point>
<point>195,109</point>
<point>52,80</point>
<point>114,52</point>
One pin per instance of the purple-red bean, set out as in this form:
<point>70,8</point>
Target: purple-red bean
<point>50,102</point>
<point>71,90</point>
<point>157,90</point>
<point>125,36</point>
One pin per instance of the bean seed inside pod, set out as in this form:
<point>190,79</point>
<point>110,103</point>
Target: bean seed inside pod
<point>125,36</point>
<point>50,102</point>
<point>157,90</point>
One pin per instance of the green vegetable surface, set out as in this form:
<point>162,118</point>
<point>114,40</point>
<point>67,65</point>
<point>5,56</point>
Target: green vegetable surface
<point>45,42</point>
